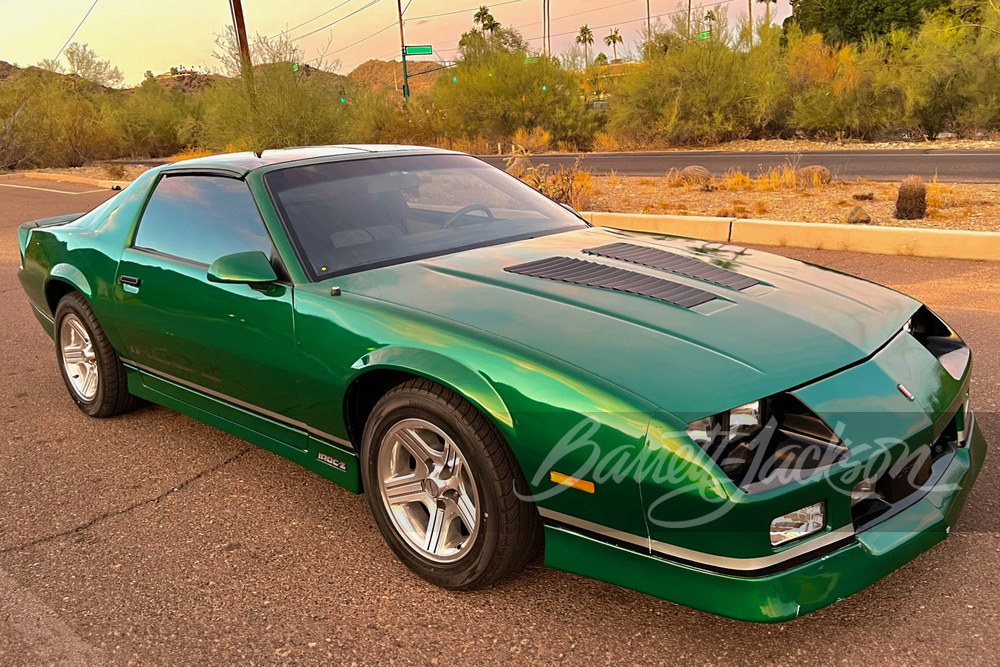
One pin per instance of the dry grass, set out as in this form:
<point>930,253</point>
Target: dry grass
<point>476,146</point>
<point>191,153</point>
<point>536,140</point>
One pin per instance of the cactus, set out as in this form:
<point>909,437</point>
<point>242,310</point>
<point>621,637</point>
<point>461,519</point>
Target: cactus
<point>911,202</point>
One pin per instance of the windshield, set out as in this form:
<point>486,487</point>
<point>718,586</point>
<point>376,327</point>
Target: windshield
<point>352,215</point>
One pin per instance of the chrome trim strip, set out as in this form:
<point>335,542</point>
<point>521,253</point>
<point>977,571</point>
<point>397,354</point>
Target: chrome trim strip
<point>712,560</point>
<point>241,404</point>
<point>643,542</point>
<point>40,312</point>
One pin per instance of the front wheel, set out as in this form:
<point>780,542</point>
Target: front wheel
<point>92,371</point>
<point>440,480</point>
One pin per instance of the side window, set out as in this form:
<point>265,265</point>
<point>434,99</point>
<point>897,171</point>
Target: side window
<point>202,218</point>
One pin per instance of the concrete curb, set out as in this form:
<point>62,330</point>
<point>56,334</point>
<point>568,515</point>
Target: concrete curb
<point>69,178</point>
<point>941,243</point>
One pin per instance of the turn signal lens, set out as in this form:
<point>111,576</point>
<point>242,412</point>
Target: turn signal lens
<point>798,524</point>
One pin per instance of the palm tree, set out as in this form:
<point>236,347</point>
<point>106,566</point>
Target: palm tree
<point>482,17</point>
<point>586,37</point>
<point>491,24</point>
<point>613,40</point>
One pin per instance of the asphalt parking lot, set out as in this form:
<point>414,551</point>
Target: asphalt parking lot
<point>152,539</point>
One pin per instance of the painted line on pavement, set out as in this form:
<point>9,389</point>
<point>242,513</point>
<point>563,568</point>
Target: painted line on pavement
<point>62,192</point>
<point>40,627</point>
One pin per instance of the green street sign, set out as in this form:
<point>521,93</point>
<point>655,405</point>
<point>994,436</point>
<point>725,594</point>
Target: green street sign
<point>423,50</point>
<point>703,35</point>
<point>531,61</point>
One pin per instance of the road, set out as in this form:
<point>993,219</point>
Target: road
<point>153,539</point>
<point>950,166</point>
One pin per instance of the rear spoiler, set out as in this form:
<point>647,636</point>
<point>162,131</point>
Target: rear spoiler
<point>24,231</point>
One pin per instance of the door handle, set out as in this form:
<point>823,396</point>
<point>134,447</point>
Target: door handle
<point>129,281</point>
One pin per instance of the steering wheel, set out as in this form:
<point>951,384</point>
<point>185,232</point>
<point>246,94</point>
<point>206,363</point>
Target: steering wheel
<point>465,210</point>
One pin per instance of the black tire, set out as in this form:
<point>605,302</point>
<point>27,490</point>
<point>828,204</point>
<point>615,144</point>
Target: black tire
<point>510,532</point>
<point>112,396</point>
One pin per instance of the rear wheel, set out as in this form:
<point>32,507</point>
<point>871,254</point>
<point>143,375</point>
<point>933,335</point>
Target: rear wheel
<point>92,371</point>
<point>440,480</point>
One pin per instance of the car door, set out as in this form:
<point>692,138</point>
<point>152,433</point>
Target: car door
<point>233,342</point>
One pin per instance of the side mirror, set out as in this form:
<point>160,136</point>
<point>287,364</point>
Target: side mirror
<point>242,268</point>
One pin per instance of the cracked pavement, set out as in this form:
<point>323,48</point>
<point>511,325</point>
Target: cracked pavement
<point>152,539</point>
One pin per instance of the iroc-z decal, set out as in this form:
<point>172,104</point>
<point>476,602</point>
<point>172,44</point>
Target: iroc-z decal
<point>330,461</point>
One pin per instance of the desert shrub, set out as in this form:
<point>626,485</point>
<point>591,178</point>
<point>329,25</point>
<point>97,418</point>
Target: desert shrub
<point>536,140</point>
<point>703,91</point>
<point>284,110</point>
<point>149,121</point>
<point>566,185</point>
<point>494,97</point>
<point>853,90</point>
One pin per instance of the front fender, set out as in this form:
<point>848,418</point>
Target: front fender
<point>445,371</point>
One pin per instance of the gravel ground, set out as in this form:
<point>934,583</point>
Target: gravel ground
<point>949,206</point>
<point>152,539</point>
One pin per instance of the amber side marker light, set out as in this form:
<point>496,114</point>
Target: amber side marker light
<point>572,482</point>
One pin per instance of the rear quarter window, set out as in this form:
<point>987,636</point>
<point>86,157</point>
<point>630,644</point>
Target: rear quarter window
<point>202,218</point>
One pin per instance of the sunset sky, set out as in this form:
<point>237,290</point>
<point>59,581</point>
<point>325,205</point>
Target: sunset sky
<point>137,36</point>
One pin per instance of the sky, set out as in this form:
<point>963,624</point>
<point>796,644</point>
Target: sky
<point>140,35</point>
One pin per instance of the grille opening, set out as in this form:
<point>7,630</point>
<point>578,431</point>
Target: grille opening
<point>906,481</point>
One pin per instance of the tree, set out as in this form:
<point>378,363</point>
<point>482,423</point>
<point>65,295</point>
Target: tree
<point>484,19</point>
<point>601,59</point>
<point>476,46</point>
<point>83,62</point>
<point>613,40</point>
<point>852,20</point>
<point>586,38</point>
<point>52,66</point>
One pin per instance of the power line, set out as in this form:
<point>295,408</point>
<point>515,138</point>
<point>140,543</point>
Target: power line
<point>333,23</point>
<point>364,39</point>
<point>461,11</point>
<point>77,29</point>
<point>586,11</point>
<point>318,15</point>
<point>618,23</point>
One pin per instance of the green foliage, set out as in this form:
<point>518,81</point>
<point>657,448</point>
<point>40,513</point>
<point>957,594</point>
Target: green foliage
<point>853,90</point>
<point>152,121</point>
<point>853,20</point>
<point>702,91</point>
<point>282,109</point>
<point>495,96</point>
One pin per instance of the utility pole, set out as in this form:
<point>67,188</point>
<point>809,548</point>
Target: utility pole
<point>402,48</point>
<point>545,26</point>
<point>649,32</point>
<point>246,64</point>
<point>548,25</point>
<point>689,19</point>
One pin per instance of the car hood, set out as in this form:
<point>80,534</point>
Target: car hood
<point>799,323</point>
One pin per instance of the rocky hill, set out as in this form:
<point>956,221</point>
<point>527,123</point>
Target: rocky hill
<point>387,75</point>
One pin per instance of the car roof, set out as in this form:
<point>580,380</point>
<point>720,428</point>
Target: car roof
<point>243,163</point>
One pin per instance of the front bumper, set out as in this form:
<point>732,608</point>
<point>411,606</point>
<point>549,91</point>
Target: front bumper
<point>788,594</point>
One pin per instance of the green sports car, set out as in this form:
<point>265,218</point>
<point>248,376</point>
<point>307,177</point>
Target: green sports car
<point>722,427</point>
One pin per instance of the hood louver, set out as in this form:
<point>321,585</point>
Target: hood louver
<point>602,276</point>
<point>663,260</point>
